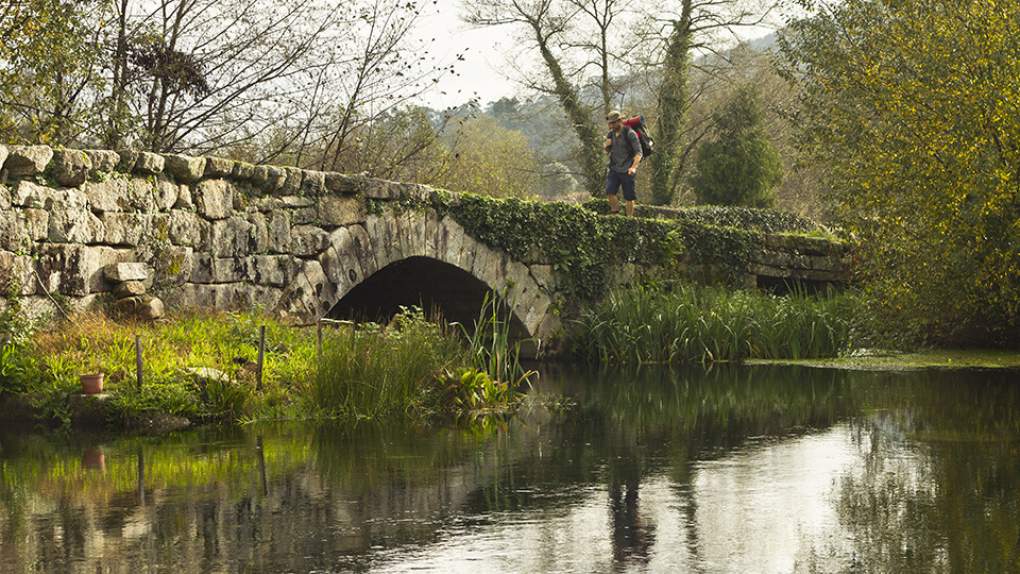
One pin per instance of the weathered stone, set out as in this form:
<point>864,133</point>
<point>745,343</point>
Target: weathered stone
<point>275,270</point>
<point>70,167</point>
<point>27,160</point>
<point>243,171</point>
<point>278,227</point>
<point>292,183</point>
<point>187,228</point>
<point>175,266</point>
<point>313,183</point>
<point>109,195</point>
<point>77,270</point>
<point>128,159</point>
<point>5,197</point>
<point>124,271</point>
<point>225,296</point>
<point>184,200</point>
<point>544,276</point>
<point>337,211</point>
<point>259,232</point>
<point>214,198</point>
<point>70,220</point>
<point>127,194</point>
<point>128,229</point>
<point>27,193</point>
<point>307,241</point>
<point>103,160</point>
<point>166,193</point>
<point>149,163</point>
<point>269,178</point>
<point>3,157</point>
<point>17,272</point>
<point>208,269</point>
<point>185,168</point>
<point>146,307</point>
<point>219,167</point>
<point>380,189</point>
<point>129,289</point>
<point>343,183</point>
<point>231,237</point>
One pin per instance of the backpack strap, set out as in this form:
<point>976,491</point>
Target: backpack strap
<point>625,133</point>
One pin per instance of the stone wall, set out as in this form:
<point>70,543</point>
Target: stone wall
<point>217,233</point>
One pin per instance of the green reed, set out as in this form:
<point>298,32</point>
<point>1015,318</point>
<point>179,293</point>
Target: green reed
<point>688,324</point>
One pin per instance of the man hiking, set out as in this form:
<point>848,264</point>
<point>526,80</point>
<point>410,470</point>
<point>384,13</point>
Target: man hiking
<point>624,149</point>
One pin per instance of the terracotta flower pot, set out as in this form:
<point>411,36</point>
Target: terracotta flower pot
<point>91,384</point>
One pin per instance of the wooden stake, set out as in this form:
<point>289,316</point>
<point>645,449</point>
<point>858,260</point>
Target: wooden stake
<point>138,360</point>
<point>318,343</point>
<point>262,356</point>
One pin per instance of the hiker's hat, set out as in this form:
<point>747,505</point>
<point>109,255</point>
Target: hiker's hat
<point>613,116</point>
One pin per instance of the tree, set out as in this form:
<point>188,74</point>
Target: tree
<point>739,167</point>
<point>49,68</point>
<point>913,109</point>
<point>547,22</point>
<point>694,28</point>
<point>488,159</point>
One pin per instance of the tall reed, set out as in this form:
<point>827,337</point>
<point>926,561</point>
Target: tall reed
<point>688,324</point>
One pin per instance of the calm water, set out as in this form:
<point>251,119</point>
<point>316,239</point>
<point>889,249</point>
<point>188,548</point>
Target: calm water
<point>734,470</point>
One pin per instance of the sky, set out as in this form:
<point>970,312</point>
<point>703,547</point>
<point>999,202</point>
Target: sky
<point>487,71</point>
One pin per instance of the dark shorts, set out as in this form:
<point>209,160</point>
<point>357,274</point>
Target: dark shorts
<point>615,180</point>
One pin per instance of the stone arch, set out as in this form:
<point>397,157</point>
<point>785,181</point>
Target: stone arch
<point>356,252</point>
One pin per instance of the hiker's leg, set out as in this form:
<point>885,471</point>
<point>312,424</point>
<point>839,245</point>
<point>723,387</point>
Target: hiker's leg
<point>629,192</point>
<point>612,188</point>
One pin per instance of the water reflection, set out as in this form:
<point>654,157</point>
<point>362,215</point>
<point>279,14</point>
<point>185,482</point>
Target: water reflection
<point>733,470</point>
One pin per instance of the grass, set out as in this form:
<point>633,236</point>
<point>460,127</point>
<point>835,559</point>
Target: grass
<point>411,366</point>
<point>689,324</point>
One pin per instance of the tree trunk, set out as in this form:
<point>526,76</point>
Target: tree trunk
<point>672,109</point>
<point>589,152</point>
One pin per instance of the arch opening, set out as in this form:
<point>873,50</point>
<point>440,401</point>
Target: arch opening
<point>437,287</point>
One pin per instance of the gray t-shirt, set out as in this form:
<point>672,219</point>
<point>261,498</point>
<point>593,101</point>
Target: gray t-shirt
<point>622,151</point>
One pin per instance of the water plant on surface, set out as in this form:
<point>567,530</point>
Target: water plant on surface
<point>684,324</point>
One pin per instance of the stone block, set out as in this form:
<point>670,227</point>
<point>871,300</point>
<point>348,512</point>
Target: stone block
<point>184,199</point>
<point>109,195</point>
<point>17,272</point>
<point>186,228</point>
<point>308,241</point>
<point>185,168</point>
<point>269,178</point>
<point>145,307</point>
<point>127,229</point>
<point>27,160</point>
<point>129,289</point>
<point>149,163</point>
<point>274,270</point>
<point>338,211</point>
<point>214,198</point>
<point>103,160</point>
<point>3,156</point>
<point>175,265</point>
<point>70,167</point>
<point>340,183</point>
<point>77,270</point>
<point>231,237</point>
<point>166,193</point>
<point>209,269</point>
<point>219,167</point>
<point>128,159</point>
<point>381,189</point>
<point>243,171</point>
<point>278,228</point>
<point>27,193</point>
<point>292,183</point>
<point>313,183</point>
<point>126,271</point>
<point>70,220</point>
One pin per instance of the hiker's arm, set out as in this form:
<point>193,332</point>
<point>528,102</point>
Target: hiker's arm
<point>608,144</point>
<point>634,164</point>
<point>635,145</point>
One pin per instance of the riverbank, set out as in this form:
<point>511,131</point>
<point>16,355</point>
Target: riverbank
<point>206,368</point>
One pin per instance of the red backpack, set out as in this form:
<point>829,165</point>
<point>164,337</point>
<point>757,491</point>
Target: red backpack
<point>637,123</point>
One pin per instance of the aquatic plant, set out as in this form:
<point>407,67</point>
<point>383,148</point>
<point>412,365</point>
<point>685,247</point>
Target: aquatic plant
<point>684,324</point>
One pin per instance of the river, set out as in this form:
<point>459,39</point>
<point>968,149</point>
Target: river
<point>734,469</point>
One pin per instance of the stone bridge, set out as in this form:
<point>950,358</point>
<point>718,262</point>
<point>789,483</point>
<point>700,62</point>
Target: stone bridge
<point>222,234</point>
